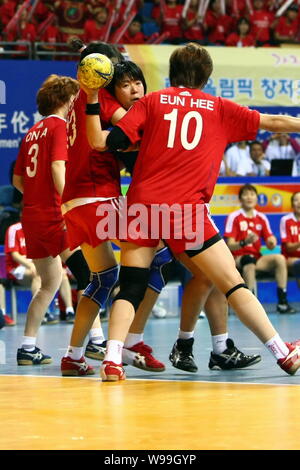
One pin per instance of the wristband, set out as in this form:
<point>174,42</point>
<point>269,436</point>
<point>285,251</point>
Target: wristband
<point>243,243</point>
<point>92,109</point>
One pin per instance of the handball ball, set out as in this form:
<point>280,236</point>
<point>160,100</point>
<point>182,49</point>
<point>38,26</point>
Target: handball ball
<point>95,71</point>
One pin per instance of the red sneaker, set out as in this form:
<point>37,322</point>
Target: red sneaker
<point>8,321</point>
<point>291,363</point>
<point>72,367</point>
<point>140,356</point>
<point>111,372</point>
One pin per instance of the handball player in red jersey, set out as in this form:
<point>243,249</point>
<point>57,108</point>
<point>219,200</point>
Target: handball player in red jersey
<point>39,174</point>
<point>184,130</point>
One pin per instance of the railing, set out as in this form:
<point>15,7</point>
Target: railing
<point>10,49</point>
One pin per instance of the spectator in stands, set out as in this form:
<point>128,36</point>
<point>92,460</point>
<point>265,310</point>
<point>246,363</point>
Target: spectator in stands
<point>22,31</point>
<point>42,11</point>
<point>256,165</point>
<point>237,8</point>
<point>134,34</point>
<point>287,27</point>
<point>283,147</point>
<point>242,37</point>
<point>244,230</point>
<point>50,35</point>
<point>170,21</point>
<point>217,23</point>
<point>192,24</point>
<point>7,11</point>
<point>237,155</point>
<point>94,29</point>
<point>290,237</point>
<point>262,23</point>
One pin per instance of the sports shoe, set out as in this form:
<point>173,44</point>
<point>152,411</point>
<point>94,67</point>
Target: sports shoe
<point>95,351</point>
<point>8,321</point>
<point>111,372</point>
<point>140,356</point>
<point>73,367</point>
<point>291,363</point>
<point>182,355</point>
<point>49,319</point>
<point>32,358</point>
<point>70,317</point>
<point>285,308</point>
<point>232,358</point>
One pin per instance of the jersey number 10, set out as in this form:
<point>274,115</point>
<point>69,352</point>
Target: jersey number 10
<point>173,118</point>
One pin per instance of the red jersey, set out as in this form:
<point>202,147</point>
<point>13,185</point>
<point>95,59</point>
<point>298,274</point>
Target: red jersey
<point>137,38</point>
<point>196,30</point>
<point>14,241</point>
<point>290,233</point>
<point>261,21</point>
<point>218,26</point>
<point>235,40</point>
<point>7,11</point>
<point>285,28</point>
<point>51,34</point>
<point>238,226</point>
<point>92,32</point>
<point>43,144</point>
<point>185,133</point>
<point>171,21</point>
<point>90,173</point>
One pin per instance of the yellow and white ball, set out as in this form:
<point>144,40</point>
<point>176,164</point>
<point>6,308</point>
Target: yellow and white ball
<point>95,71</point>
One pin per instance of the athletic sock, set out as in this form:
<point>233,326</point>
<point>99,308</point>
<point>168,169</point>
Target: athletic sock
<point>277,347</point>
<point>132,339</point>
<point>28,343</point>
<point>281,294</point>
<point>96,335</point>
<point>114,351</point>
<point>74,353</point>
<point>70,310</point>
<point>185,334</point>
<point>219,343</point>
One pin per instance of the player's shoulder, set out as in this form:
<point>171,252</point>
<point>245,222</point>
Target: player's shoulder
<point>15,227</point>
<point>288,217</point>
<point>237,213</point>
<point>261,215</point>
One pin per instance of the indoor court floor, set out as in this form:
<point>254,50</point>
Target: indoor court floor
<point>255,408</point>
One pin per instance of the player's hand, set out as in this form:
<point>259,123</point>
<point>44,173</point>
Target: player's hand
<point>251,237</point>
<point>91,93</point>
<point>271,243</point>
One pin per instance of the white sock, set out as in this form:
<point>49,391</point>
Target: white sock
<point>74,353</point>
<point>132,339</point>
<point>3,310</point>
<point>219,343</point>
<point>96,335</point>
<point>28,343</point>
<point>114,351</point>
<point>69,310</point>
<point>277,347</point>
<point>185,334</point>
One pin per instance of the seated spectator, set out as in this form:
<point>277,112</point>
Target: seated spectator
<point>237,8</point>
<point>170,21</point>
<point>22,31</point>
<point>41,12</point>
<point>236,155</point>
<point>262,22</point>
<point>134,34</point>
<point>217,24</point>
<point>244,230</point>
<point>7,11</point>
<point>290,237</point>
<point>256,165</point>
<point>242,37</point>
<point>287,27</point>
<point>283,146</point>
<point>94,29</point>
<point>51,35</point>
<point>192,24</point>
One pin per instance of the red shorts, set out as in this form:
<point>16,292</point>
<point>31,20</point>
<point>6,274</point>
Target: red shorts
<point>46,238</point>
<point>92,223</point>
<point>185,229</point>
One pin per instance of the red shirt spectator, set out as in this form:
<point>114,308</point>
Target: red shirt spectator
<point>261,22</point>
<point>242,37</point>
<point>51,34</point>
<point>192,25</point>
<point>7,11</point>
<point>217,24</point>
<point>287,28</point>
<point>94,29</point>
<point>14,241</point>
<point>290,233</point>
<point>237,8</point>
<point>134,34</point>
<point>170,19</point>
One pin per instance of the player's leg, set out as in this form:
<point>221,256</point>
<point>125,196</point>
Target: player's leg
<point>104,273</point>
<point>50,271</point>
<point>66,295</point>
<point>133,280</point>
<point>226,277</point>
<point>3,314</point>
<point>293,265</point>
<point>246,266</point>
<point>277,265</point>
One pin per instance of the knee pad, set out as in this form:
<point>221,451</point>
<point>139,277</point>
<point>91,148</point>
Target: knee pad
<point>296,269</point>
<point>158,277</point>
<point>101,285</point>
<point>79,268</point>
<point>133,284</point>
<point>238,286</point>
<point>247,259</point>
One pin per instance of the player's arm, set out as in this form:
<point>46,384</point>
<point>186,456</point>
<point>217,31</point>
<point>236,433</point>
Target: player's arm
<point>279,123</point>
<point>18,182</point>
<point>232,244</point>
<point>21,259</point>
<point>58,171</point>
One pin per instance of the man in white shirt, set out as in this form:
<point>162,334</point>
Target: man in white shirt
<point>256,165</point>
<point>236,154</point>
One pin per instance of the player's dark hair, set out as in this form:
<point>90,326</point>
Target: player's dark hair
<point>99,47</point>
<point>55,92</point>
<point>123,70</point>
<point>247,187</point>
<point>190,66</point>
<point>293,197</point>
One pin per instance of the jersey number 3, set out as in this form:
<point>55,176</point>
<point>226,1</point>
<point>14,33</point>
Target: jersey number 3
<point>31,170</point>
<point>173,118</point>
